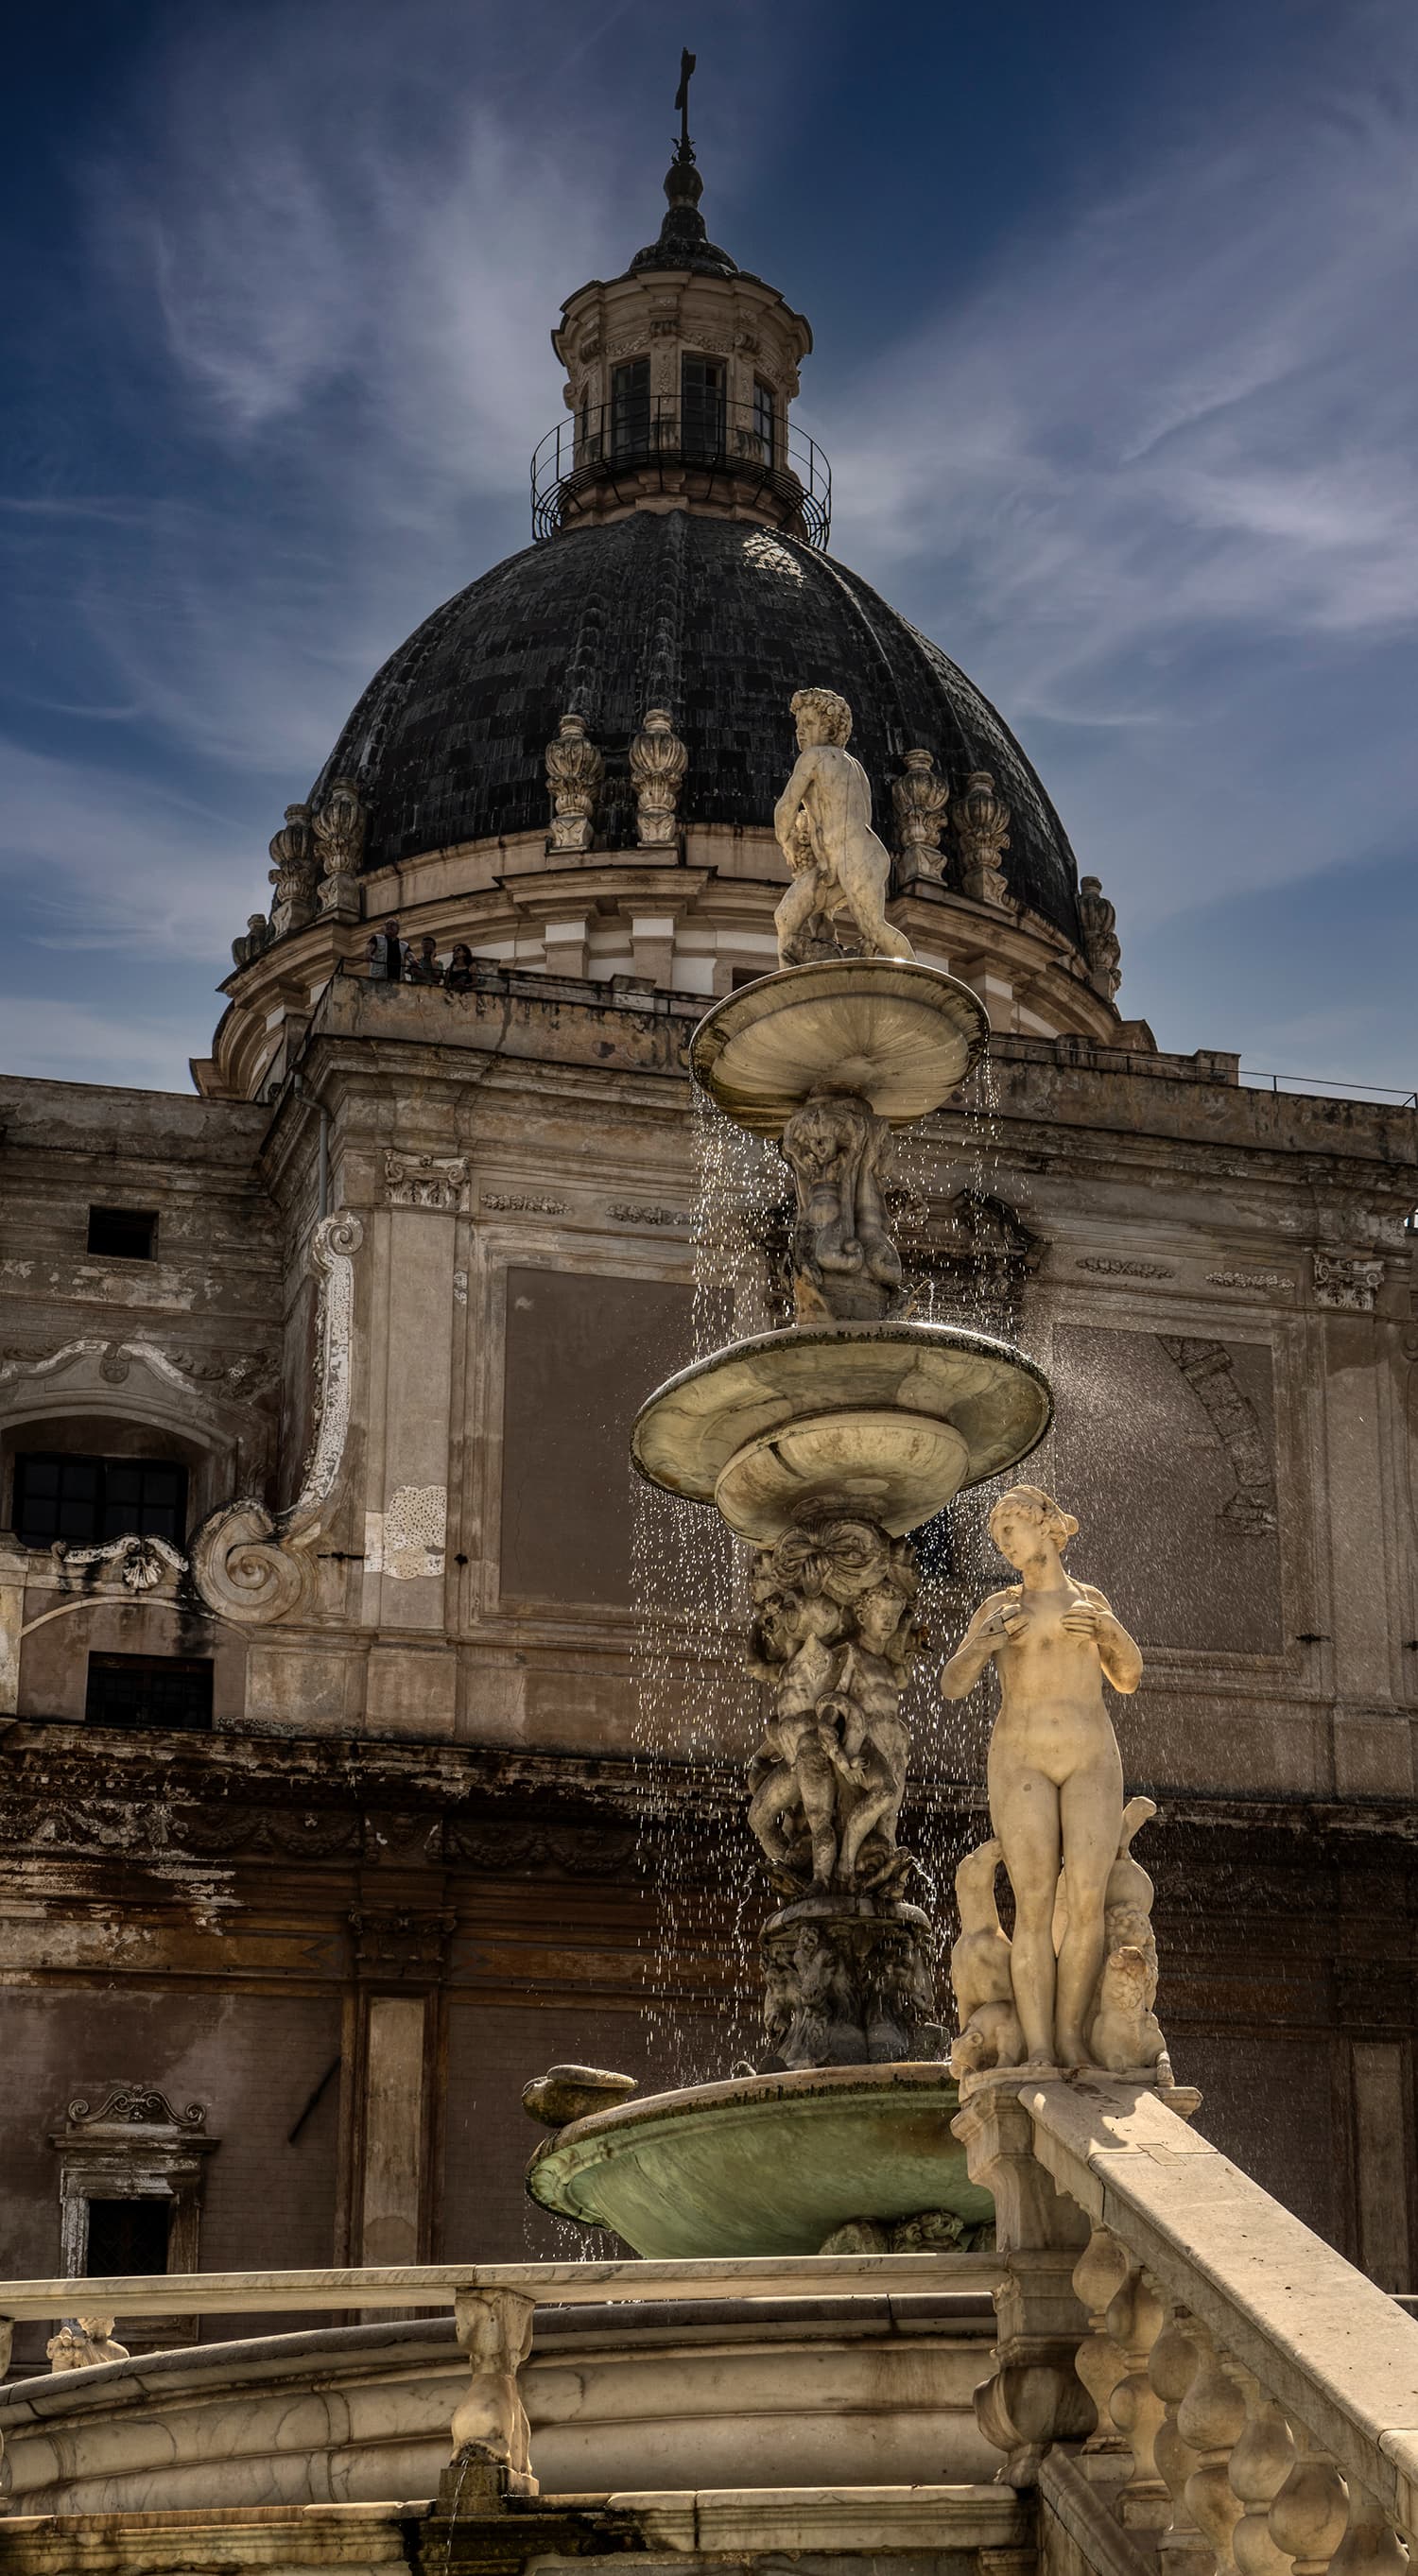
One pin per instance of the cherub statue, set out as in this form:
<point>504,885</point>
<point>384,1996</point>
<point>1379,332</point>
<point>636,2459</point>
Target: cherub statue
<point>87,2341</point>
<point>871,1742</point>
<point>851,867</point>
<point>1054,1771</point>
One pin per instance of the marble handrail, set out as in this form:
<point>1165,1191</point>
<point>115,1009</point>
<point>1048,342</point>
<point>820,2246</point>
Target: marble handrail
<point>1256,2397</point>
<point>438,2285</point>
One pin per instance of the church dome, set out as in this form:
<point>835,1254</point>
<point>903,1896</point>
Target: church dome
<point>716,620</point>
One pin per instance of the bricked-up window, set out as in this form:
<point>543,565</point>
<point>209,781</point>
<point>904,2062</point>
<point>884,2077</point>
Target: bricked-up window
<point>630,408</point>
<point>702,404</point>
<point>88,1500</point>
<point>127,2236</point>
<point>123,1234</point>
<point>765,421</point>
<point>162,1691</point>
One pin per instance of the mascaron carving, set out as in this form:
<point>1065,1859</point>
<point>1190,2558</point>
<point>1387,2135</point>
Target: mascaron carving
<point>253,1565</point>
<point>658,761</point>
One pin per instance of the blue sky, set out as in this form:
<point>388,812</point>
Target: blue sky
<point>1115,363</point>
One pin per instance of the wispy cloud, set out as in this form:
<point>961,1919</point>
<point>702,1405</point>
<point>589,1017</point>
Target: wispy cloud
<point>102,860</point>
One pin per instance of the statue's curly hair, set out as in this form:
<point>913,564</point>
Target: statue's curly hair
<point>1033,1504</point>
<point>834,711</point>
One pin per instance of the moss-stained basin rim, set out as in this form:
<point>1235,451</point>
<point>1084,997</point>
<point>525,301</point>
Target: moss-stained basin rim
<point>762,2164</point>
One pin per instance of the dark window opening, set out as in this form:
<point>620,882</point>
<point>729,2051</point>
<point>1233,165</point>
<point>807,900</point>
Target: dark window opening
<point>149,1690</point>
<point>123,1234</point>
<point>741,975</point>
<point>630,408</point>
<point>702,406</point>
<point>88,1500</point>
<point>127,2236</point>
<point>765,421</point>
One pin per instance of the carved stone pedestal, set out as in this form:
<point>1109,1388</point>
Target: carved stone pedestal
<point>850,1981</point>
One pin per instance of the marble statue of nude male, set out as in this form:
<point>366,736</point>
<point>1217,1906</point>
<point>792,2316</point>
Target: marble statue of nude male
<point>822,822</point>
<point>1054,1771</point>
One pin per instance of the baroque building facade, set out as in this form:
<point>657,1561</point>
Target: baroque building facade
<point>331,1806</point>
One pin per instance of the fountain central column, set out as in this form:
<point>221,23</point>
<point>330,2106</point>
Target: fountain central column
<point>825,1444</point>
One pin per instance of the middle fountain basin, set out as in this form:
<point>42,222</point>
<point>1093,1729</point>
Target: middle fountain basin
<point>889,1420</point>
<point>764,2164</point>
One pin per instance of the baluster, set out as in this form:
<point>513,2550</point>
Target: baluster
<point>1136,2317</point>
<point>1210,2417</point>
<point>1309,2515</point>
<point>1172,2365</point>
<point>1260,2464</point>
<point>1371,2546</point>
<point>490,2428</point>
<point>1100,2271</point>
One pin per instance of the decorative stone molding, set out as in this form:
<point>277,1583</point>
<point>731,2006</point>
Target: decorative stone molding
<point>432,1181</point>
<point>1210,1372</point>
<point>134,2146</point>
<point>658,761</point>
<point>1099,924</point>
<point>575,771</point>
<point>981,1265</point>
<point>402,1942</point>
<point>982,836</point>
<point>140,1564</point>
<point>520,1203</point>
<point>340,828</point>
<point>1348,1280</point>
<point>922,799</point>
<point>252,1565</point>
<point>294,872</point>
<point>1107,1267</point>
<point>627,1213</point>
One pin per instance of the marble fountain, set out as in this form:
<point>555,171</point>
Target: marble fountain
<point>822,1445</point>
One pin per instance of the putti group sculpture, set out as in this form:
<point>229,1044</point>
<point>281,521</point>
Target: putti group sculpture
<point>823,1445</point>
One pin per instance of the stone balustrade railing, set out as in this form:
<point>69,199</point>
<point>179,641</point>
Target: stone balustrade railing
<point>1252,2398</point>
<point>493,2306</point>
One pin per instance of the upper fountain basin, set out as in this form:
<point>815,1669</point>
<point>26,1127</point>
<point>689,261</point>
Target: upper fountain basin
<point>901,1037</point>
<point>889,1420</point>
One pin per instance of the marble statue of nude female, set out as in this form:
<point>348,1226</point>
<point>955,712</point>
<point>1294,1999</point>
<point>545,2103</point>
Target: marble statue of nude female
<point>1054,1773</point>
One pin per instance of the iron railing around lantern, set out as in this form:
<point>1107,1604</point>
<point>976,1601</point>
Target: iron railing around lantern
<point>607,451</point>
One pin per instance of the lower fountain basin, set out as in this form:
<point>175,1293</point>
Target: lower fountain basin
<point>886,1420</point>
<point>764,2164</point>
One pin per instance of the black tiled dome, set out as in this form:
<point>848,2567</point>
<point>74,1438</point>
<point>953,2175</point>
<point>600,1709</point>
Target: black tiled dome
<point>717,621</point>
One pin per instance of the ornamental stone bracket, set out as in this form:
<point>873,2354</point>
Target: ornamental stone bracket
<point>254,1566</point>
<point>1347,1280</point>
<point>432,1181</point>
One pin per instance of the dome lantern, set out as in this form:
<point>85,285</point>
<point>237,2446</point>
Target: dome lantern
<point>680,375</point>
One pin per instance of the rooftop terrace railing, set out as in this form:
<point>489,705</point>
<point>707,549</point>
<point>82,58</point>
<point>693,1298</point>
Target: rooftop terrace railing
<point>606,452</point>
<point>1326,1087</point>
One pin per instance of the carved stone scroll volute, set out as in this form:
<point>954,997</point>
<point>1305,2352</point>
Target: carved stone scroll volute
<point>253,1565</point>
